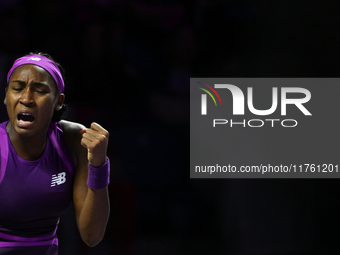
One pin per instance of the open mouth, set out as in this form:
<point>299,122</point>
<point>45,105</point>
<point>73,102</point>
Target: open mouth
<point>25,118</point>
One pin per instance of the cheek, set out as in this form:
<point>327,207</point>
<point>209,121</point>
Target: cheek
<point>9,101</point>
<point>12,99</point>
<point>47,106</point>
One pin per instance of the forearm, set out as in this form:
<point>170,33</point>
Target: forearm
<point>90,192</point>
<point>94,215</point>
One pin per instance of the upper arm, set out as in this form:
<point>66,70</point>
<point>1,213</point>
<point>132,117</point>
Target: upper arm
<point>79,153</point>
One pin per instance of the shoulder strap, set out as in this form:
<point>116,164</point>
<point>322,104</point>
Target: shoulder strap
<point>54,133</point>
<point>3,150</point>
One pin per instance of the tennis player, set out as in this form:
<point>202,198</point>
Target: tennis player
<point>46,163</point>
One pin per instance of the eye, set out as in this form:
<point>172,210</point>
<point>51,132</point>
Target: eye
<point>40,91</point>
<point>41,88</point>
<point>17,88</point>
<point>17,85</point>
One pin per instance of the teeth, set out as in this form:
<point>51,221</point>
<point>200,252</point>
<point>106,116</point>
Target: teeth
<point>25,117</point>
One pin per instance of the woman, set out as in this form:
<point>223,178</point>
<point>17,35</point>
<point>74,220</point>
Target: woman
<point>44,164</point>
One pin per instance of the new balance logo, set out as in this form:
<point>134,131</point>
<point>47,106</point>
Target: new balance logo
<point>34,58</point>
<point>58,179</point>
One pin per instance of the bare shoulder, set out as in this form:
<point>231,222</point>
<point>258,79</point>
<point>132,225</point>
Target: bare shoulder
<point>71,128</point>
<point>72,132</point>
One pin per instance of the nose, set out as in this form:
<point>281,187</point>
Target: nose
<point>27,97</point>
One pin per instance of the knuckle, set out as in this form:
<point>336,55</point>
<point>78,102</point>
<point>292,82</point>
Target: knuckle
<point>106,134</point>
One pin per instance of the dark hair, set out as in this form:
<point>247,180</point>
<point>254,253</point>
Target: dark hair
<point>57,115</point>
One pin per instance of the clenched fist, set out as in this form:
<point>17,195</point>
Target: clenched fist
<point>95,140</point>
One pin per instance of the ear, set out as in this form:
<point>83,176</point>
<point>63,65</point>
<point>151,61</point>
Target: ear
<point>5,100</point>
<point>59,102</point>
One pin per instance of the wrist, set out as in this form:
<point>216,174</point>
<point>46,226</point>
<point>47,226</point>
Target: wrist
<point>98,162</point>
<point>99,177</point>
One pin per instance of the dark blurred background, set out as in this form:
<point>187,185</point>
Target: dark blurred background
<point>128,65</point>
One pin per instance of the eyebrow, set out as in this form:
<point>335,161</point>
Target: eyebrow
<point>35,83</point>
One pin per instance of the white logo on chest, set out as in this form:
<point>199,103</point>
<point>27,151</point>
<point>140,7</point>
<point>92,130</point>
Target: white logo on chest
<point>58,179</point>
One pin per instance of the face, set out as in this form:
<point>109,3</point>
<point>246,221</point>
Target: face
<point>31,98</point>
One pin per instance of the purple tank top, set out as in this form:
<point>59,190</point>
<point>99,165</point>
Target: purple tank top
<point>33,195</point>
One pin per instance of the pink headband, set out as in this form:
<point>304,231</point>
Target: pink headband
<point>43,62</point>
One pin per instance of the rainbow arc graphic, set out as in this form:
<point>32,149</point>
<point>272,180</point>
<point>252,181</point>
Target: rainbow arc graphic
<point>204,97</point>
